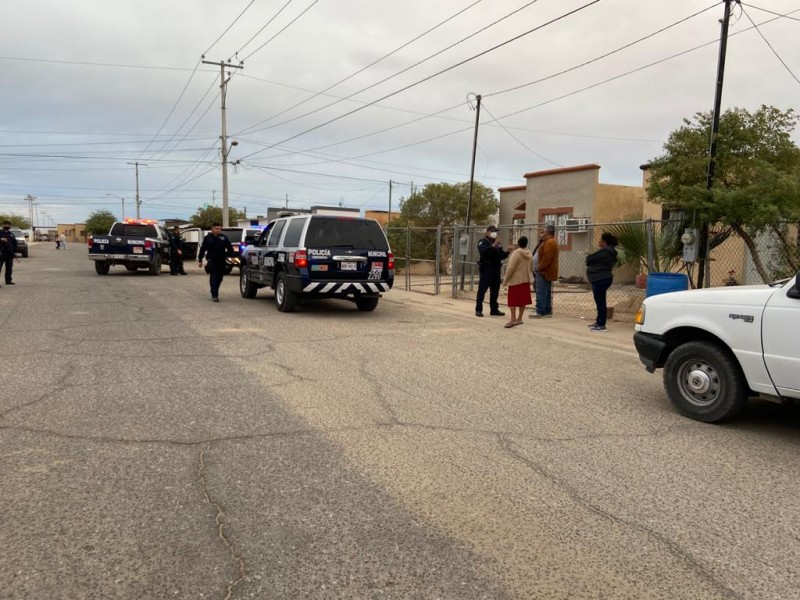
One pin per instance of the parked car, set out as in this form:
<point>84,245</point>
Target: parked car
<point>134,243</point>
<point>319,256</point>
<point>22,242</point>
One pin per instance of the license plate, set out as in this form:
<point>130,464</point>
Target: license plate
<point>348,266</point>
<point>137,250</point>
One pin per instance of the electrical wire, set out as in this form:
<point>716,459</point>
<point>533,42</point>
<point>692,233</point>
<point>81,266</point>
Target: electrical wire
<point>516,139</point>
<point>228,28</point>
<point>772,12</point>
<point>398,73</point>
<point>362,69</point>
<point>275,16</point>
<point>517,37</point>
<point>289,24</point>
<point>766,41</point>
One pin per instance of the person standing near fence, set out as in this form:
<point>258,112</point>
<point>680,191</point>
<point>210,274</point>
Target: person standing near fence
<point>518,280</point>
<point>490,264</point>
<point>546,273</point>
<point>599,272</point>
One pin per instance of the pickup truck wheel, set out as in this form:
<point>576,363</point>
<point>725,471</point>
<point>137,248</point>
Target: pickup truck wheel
<point>102,268</point>
<point>155,265</point>
<point>704,382</point>
<point>246,287</point>
<point>25,253</point>
<point>284,297</point>
<point>367,304</point>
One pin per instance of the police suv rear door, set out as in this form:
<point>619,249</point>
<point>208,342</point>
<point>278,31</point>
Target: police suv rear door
<point>342,249</point>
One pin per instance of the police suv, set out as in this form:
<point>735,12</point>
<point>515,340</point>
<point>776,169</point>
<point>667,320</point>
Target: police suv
<point>319,256</point>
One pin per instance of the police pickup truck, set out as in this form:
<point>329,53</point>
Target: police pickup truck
<point>134,243</point>
<point>319,256</point>
<point>718,346</point>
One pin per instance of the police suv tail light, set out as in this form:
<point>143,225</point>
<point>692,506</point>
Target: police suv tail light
<point>390,261</point>
<point>148,244</point>
<point>301,259</point>
<point>90,241</point>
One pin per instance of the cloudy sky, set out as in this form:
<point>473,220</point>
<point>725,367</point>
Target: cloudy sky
<point>337,98</point>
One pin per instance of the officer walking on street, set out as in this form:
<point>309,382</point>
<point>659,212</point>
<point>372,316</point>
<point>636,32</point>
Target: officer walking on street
<point>216,248</point>
<point>490,263</point>
<point>176,252</point>
<point>8,247</point>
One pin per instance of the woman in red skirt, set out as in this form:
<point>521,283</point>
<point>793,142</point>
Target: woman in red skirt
<point>519,273</point>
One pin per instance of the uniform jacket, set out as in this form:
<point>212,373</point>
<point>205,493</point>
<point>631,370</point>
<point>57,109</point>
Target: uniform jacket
<point>490,254</point>
<point>520,267</point>
<point>8,241</point>
<point>175,242</point>
<point>216,248</point>
<point>599,264</point>
<point>548,259</point>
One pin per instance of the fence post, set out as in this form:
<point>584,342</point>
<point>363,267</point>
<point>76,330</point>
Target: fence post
<point>454,262</point>
<point>408,258</point>
<point>438,259</point>
<point>648,228</point>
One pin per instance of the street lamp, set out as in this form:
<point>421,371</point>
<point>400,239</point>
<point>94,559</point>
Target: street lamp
<point>122,218</point>
<point>225,150</point>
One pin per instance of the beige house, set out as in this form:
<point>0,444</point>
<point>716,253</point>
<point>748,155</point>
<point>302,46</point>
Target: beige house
<point>74,233</point>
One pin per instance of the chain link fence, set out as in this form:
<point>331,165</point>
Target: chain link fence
<point>438,260</point>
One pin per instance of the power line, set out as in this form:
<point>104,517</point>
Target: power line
<point>93,64</point>
<point>275,16</point>
<point>228,28</point>
<point>772,12</point>
<point>516,139</point>
<point>766,41</point>
<point>289,24</point>
<point>398,73</point>
<point>361,70</point>
<point>517,37</point>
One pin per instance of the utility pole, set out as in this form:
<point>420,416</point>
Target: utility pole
<point>286,206</point>
<point>138,202</point>
<point>472,178</point>
<point>703,270</point>
<point>30,199</point>
<point>213,197</point>
<point>391,183</point>
<point>224,137</point>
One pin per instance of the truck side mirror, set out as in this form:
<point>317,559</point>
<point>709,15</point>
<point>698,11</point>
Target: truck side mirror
<point>794,291</point>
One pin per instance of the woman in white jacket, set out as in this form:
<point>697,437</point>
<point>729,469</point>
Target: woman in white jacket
<point>518,280</point>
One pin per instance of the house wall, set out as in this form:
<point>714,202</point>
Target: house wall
<point>574,190</point>
<point>614,203</point>
<point>509,198</point>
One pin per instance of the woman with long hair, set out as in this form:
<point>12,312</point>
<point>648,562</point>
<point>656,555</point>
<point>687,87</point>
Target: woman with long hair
<point>518,280</point>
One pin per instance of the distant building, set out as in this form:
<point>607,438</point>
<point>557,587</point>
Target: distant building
<point>74,233</point>
<point>335,210</point>
<point>381,216</point>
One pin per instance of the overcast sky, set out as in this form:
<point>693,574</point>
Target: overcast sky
<point>90,86</point>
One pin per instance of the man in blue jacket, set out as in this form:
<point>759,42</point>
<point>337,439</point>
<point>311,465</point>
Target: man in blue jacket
<point>217,249</point>
<point>490,264</point>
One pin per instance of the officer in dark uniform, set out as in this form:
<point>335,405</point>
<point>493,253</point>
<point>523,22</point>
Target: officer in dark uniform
<point>216,248</point>
<point>8,247</point>
<point>490,263</point>
<point>176,252</point>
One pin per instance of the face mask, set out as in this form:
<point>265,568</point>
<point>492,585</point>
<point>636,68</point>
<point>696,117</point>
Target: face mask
<point>493,235</point>
<point>6,227</point>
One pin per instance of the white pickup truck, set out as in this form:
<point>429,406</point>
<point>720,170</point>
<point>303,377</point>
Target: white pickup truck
<point>718,346</point>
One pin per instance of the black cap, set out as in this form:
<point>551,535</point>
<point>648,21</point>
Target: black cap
<point>492,228</point>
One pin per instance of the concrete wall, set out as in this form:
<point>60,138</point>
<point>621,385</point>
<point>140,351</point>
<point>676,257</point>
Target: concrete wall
<point>572,189</point>
<point>614,203</point>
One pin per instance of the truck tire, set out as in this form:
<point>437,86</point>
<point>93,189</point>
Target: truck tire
<point>101,267</point>
<point>704,382</point>
<point>284,297</point>
<point>25,253</point>
<point>246,287</point>
<point>155,265</point>
<point>367,303</point>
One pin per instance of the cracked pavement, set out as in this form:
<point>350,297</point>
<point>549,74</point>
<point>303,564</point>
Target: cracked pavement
<point>156,445</point>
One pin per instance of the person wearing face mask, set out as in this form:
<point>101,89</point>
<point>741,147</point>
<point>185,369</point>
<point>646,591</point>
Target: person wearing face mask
<point>490,263</point>
<point>8,247</point>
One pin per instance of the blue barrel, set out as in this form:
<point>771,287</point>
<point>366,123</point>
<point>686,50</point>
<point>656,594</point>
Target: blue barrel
<point>663,283</point>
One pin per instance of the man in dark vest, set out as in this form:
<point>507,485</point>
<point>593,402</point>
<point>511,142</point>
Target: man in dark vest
<point>8,247</point>
<point>490,263</point>
<point>176,252</point>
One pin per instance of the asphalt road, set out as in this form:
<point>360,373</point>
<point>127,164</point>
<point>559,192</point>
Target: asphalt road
<point>154,444</point>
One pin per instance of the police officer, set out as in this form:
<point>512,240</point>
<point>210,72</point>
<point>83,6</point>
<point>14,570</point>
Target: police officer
<point>8,247</point>
<point>491,259</point>
<point>216,248</point>
<point>176,252</point>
